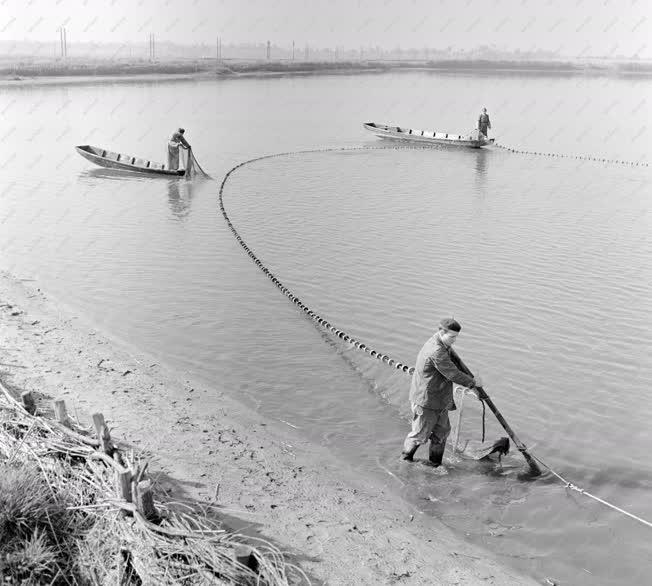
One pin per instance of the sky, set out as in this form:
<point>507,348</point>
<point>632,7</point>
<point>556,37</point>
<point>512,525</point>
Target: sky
<point>567,27</point>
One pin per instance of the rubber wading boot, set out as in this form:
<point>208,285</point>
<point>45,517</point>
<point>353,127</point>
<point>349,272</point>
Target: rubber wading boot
<point>436,453</point>
<point>409,455</point>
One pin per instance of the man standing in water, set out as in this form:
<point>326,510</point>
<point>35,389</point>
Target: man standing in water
<point>431,392</point>
<point>176,140</point>
<point>483,122</point>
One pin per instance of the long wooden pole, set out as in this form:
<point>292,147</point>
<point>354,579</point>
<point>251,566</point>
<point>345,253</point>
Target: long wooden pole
<point>534,467</point>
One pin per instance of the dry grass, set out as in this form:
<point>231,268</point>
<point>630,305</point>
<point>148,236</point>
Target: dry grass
<point>61,521</point>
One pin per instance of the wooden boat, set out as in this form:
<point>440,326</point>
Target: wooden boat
<point>475,139</point>
<point>114,160</point>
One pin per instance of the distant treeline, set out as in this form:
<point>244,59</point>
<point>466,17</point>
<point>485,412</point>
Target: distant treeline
<point>59,68</point>
<point>601,66</point>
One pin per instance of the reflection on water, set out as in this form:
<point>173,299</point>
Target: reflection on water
<point>480,175</point>
<point>91,175</point>
<point>481,165</point>
<point>180,194</point>
<point>180,190</point>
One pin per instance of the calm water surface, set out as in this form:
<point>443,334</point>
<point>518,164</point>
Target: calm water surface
<point>546,262</point>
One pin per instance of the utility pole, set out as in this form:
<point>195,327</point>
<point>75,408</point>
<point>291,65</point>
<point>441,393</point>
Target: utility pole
<point>152,47</point>
<point>292,50</point>
<point>63,42</point>
<point>306,53</point>
<point>269,49</point>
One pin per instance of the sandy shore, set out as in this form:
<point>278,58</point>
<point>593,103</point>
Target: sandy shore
<point>340,528</point>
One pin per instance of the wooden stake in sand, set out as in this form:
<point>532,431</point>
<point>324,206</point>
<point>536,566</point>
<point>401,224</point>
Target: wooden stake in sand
<point>60,412</point>
<point>103,433</point>
<point>145,500</point>
<point>124,485</point>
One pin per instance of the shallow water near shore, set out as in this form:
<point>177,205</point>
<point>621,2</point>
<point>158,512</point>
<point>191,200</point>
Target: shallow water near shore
<point>544,261</point>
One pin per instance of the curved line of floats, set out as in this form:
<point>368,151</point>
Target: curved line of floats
<point>296,300</point>
<point>291,296</point>
<point>578,157</point>
<point>356,343</point>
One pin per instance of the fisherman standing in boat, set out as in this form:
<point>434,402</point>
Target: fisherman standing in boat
<point>431,392</point>
<point>176,140</point>
<point>483,122</point>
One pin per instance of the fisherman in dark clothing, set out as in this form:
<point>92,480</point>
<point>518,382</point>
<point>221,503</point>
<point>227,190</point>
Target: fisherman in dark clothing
<point>483,122</point>
<point>431,392</point>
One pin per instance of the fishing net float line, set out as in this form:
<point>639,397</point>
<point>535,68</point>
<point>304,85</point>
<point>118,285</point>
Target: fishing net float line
<point>386,359</point>
<point>578,157</point>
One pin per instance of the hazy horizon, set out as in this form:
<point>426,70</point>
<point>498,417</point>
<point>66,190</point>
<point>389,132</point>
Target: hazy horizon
<point>582,29</point>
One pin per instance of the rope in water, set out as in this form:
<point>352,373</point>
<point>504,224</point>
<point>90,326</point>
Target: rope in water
<point>572,486</point>
<point>578,157</point>
<point>340,333</point>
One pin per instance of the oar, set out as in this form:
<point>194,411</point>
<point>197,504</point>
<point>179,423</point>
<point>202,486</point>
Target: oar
<point>534,467</point>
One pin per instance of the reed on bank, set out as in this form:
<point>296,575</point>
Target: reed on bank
<point>76,509</point>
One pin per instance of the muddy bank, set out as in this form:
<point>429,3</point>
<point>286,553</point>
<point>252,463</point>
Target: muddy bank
<point>340,528</point>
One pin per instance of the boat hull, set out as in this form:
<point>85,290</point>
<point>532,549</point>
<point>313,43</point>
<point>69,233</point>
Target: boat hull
<point>425,137</point>
<point>112,160</point>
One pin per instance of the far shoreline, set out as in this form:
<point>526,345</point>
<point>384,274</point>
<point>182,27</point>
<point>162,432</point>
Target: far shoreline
<point>74,72</point>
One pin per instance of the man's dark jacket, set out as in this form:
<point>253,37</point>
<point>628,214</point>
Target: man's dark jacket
<point>437,368</point>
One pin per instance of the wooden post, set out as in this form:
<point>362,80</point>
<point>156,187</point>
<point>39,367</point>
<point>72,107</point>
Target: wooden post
<point>145,500</point>
<point>28,402</point>
<point>124,485</point>
<point>98,423</point>
<point>103,433</point>
<point>60,412</point>
<point>107,444</point>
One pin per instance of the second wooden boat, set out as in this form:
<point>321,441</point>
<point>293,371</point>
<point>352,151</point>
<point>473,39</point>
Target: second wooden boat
<point>475,139</point>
